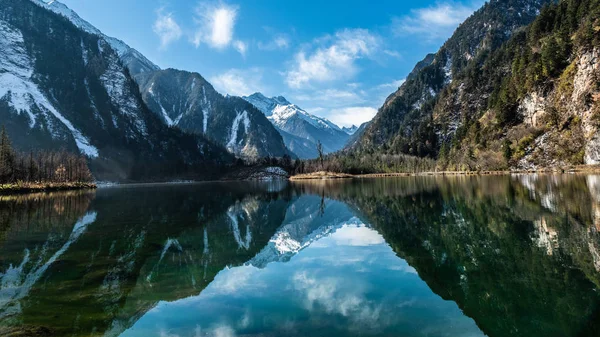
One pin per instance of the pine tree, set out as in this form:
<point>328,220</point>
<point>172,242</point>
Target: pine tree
<point>7,158</point>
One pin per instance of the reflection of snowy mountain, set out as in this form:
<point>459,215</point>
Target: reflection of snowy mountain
<point>306,222</point>
<point>17,281</point>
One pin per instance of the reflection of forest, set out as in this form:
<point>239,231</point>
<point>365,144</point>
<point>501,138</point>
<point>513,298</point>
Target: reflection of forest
<point>518,254</point>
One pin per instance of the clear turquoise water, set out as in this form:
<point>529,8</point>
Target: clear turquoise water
<point>422,256</point>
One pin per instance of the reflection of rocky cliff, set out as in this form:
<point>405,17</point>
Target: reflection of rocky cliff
<point>107,267</point>
<point>518,254</point>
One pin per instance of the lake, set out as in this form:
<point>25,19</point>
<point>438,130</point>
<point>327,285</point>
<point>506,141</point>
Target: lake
<point>421,256</point>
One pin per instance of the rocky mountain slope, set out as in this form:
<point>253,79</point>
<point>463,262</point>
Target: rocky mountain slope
<point>300,130</point>
<point>64,88</point>
<point>133,59</point>
<point>187,101</point>
<point>513,87</point>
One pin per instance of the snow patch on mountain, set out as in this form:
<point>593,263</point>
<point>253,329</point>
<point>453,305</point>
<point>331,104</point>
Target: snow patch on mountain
<point>15,282</point>
<point>350,130</point>
<point>242,117</point>
<point>118,88</point>
<point>282,113</point>
<point>17,87</point>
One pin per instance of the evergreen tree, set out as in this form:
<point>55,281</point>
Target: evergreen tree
<point>7,157</point>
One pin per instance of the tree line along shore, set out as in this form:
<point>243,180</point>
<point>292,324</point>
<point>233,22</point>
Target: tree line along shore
<point>41,170</point>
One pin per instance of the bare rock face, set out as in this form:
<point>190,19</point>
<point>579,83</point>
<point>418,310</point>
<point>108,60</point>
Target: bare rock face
<point>592,151</point>
<point>533,109</point>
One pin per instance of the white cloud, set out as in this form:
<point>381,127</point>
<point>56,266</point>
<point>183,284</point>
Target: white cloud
<point>239,82</point>
<point>352,115</point>
<point>334,60</point>
<point>241,47</point>
<point>392,53</point>
<point>166,28</point>
<point>391,85</point>
<point>330,97</point>
<point>216,25</point>
<point>435,22</point>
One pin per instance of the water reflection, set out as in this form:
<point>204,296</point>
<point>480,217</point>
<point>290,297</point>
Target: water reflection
<point>421,256</point>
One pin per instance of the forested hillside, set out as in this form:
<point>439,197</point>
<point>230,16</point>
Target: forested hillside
<point>510,89</point>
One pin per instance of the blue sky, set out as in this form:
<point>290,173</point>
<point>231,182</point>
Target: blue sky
<point>336,59</point>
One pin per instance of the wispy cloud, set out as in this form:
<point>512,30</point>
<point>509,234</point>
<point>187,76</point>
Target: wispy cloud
<point>240,46</point>
<point>393,85</point>
<point>279,42</point>
<point>166,28</point>
<point>334,59</point>
<point>239,82</point>
<point>216,25</point>
<point>352,115</point>
<point>353,104</point>
<point>392,53</point>
<point>435,22</point>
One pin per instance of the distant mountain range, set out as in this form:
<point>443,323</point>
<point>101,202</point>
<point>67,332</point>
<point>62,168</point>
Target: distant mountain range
<point>301,130</point>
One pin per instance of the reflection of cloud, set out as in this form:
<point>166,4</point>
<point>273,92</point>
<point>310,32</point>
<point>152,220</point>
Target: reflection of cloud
<point>330,294</point>
<point>404,268</point>
<point>223,331</point>
<point>350,235</point>
<point>164,333</point>
<point>232,281</point>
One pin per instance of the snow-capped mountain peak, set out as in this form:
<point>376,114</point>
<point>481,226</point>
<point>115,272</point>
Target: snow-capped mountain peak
<point>261,102</point>
<point>350,130</point>
<point>279,110</point>
<point>301,131</point>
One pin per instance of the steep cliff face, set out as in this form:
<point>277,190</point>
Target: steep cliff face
<point>64,88</point>
<point>532,103</point>
<point>514,87</point>
<point>187,101</point>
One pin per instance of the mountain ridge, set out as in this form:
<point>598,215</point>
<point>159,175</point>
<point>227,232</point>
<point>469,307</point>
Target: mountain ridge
<point>189,102</point>
<point>300,130</point>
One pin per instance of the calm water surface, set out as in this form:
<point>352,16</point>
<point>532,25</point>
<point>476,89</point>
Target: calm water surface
<point>421,256</point>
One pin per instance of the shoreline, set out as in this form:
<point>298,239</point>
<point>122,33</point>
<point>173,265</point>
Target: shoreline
<point>334,176</point>
<point>19,188</point>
